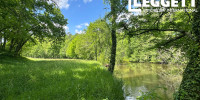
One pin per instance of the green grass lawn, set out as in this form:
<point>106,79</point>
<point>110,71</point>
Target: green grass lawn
<point>46,79</point>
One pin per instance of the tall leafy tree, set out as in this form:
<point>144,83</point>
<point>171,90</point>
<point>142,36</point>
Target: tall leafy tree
<point>99,35</point>
<point>181,30</point>
<point>28,19</point>
<point>93,44</point>
<point>117,7</point>
<point>190,85</point>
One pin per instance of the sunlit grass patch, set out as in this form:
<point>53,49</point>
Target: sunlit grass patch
<point>57,79</point>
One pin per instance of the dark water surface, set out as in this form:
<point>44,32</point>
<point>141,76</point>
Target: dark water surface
<point>142,78</point>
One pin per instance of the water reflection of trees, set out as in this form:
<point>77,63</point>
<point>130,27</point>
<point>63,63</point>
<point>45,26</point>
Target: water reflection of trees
<point>151,76</point>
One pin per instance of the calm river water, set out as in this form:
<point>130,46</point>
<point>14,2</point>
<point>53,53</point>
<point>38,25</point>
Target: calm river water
<point>140,78</point>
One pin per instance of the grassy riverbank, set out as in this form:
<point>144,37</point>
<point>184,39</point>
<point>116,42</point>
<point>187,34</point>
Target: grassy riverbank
<point>23,78</point>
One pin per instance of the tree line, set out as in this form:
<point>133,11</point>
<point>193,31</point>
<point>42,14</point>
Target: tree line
<point>95,44</point>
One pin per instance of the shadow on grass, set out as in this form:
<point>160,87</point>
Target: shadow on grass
<point>22,78</point>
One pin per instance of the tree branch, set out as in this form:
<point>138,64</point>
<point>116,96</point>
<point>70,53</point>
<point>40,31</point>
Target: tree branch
<point>166,42</point>
<point>149,30</point>
<point>2,29</point>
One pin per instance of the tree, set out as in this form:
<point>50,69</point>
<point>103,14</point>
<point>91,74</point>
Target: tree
<point>117,7</point>
<point>184,28</point>
<point>24,20</point>
<point>190,85</point>
<point>98,34</point>
<point>93,44</point>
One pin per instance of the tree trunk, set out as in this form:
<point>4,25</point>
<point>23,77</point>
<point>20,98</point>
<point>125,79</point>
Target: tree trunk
<point>96,52</point>
<point>19,47</point>
<point>11,45</point>
<point>190,85</point>
<point>113,50</point>
<point>129,47</point>
<point>113,36</point>
<point>96,48</point>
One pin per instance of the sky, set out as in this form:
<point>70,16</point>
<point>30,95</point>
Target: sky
<point>80,13</point>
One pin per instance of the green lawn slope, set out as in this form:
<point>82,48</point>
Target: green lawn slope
<point>47,79</point>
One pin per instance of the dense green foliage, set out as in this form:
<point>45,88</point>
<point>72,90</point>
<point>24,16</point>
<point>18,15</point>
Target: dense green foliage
<point>56,79</point>
<point>46,49</point>
<point>180,30</point>
<point>26,20</point>
<point>138,49</point>
<point>95,44</point>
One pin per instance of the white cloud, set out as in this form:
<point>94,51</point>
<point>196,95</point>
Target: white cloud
<point>86,24</point>
<point>79,31</point>
<point>62,3</point>
<point>66,29</point>
<point>87,1</point>
<point>81,25</point>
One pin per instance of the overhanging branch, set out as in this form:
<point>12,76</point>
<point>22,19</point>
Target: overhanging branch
<point>150,30</point>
